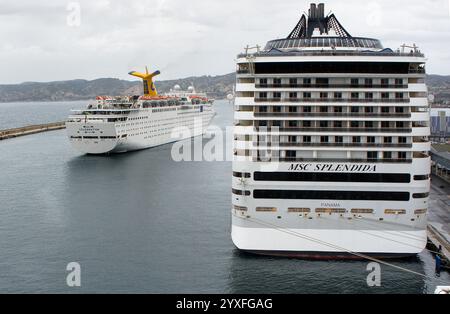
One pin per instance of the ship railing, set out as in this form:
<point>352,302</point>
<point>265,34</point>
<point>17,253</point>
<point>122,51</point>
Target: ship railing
<point>331,114</point>
<point>339,130</point>
<point>340,100</point>
<point>354,145</point>
<point>342,160</point>
<point>390,86</point>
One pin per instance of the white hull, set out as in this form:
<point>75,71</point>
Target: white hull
<point>299,243</point>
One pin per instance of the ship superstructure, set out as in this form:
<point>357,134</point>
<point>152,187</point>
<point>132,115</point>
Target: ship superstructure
<point>330,145</point>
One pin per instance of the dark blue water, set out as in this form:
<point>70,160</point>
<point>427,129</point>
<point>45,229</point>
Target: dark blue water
<point>140,222</point>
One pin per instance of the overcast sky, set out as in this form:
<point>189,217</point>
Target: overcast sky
<point>46,40</point>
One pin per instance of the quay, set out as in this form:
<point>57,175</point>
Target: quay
<point>439,218</point>
<point>31,129</point>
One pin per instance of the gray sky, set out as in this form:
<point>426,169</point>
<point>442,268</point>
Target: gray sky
<point>40,40</point>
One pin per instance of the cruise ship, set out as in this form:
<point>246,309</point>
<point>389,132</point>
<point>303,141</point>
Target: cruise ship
<point>126,123</point>
<point>331,145</point>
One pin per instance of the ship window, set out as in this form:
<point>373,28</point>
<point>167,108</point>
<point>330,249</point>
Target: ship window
<point>420,211</point>
<point>331,210</point>
<point>266,209</point>
<point>354,109</point>
<point>240,192</point>
<point>337,124</point>
<point>354,82</point>
<point>241,174</point>
<point>307,109</point>
<point>385,109</point>
<point>402,140</point>
<point>354,95</point>
<point>240,208</point>
<point>372,155</point>
<point>356,139</point>
<point>387,155</point>
<point>338,139</point>
<point>395,211</point>
<point>368,82</point>
<point>307,95</point>
<point>306,81</point>
<point>298,210</point>
<point>306,139</point>
<point>338,95</point>
<point>421,195</point>
<point>332,195</point>
<point>421,177</point>
<point>292,95</point>
<point>361,211</point>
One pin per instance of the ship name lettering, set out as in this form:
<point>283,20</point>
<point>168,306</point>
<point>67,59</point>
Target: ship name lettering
<point>332,168</point>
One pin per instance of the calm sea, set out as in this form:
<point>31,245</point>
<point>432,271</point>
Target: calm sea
<point>140,222</point>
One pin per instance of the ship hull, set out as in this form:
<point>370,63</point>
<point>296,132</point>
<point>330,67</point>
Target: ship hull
<point>143,129</point>
<point>353,244</point>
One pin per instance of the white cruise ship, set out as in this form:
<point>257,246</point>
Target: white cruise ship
<point>330,146</point>
<point>126,123</point>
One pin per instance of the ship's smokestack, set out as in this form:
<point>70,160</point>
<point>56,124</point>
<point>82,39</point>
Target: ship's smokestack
<point>321,11</point>
<point>313,11</point>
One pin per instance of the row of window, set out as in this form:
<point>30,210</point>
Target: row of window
<point>332,67</point>
<point>340,139</point>
<point>334,124</point>
<point>331,177</point>
<point>336,95</point>
<point>334,109</point>
<point>331,195</point>
<point>354,211</point>
<point>325,81</point>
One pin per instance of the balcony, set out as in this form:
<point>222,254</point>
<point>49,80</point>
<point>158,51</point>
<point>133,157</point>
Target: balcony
<point>349,145</point>
<point>388,86</point>
<point>339,100</point>
<point>339,130</point>
<point>344,160</point>
<point>330,114</point>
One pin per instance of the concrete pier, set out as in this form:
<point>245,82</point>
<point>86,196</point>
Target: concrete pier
<point>439,215</point>
<point>31,129</point>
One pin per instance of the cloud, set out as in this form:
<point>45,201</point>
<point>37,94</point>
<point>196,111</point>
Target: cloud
<point>195,37</point>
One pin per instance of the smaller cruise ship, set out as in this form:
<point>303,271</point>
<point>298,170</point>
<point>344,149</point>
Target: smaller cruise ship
<point>125,123</point>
